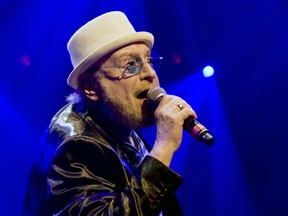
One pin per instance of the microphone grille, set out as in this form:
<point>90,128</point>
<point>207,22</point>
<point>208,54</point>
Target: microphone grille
<point>154,95</point>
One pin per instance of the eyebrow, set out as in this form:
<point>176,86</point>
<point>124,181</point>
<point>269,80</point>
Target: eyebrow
<point>132,54</point>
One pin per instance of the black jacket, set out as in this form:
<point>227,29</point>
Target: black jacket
<point>83,171</point>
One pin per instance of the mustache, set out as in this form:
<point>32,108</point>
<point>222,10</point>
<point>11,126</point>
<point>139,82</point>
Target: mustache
<point>141,91</point>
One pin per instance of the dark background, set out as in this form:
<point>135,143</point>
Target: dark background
<point>244,104</point>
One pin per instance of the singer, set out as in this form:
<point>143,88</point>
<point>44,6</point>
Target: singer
<point>92,159</point>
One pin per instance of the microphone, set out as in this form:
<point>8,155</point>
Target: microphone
<point>192,126</point>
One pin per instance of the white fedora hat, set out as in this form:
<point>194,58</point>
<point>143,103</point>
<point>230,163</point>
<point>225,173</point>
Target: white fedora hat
<point>99,37</point>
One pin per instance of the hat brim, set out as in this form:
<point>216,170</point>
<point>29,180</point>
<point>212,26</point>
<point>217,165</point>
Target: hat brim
<point>144,37</point>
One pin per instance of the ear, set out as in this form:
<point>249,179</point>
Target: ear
<point>91,94</point>
<point>88,81</point>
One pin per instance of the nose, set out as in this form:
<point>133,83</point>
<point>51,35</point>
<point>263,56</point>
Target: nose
<point>147,72</point>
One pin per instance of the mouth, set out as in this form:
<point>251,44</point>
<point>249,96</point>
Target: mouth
<point>142,94</point>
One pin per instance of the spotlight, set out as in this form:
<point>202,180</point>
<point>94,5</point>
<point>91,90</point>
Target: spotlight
<point>176,59</point>
<point>208,71</point>
<point>25,60</point>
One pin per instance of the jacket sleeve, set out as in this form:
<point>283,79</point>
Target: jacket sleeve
<point>86,178</point>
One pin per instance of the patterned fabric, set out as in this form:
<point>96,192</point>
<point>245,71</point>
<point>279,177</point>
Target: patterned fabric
<point>83,171</point>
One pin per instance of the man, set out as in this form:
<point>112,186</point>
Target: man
<point>94,162</point>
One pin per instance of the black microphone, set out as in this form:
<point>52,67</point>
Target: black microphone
<point>192,126</point>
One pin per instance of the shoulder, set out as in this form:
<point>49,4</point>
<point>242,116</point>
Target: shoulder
<point>70,129</point>
<point>67,121</point>
<point>72,122</point>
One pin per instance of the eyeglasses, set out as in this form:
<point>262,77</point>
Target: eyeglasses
<point>135,65</point>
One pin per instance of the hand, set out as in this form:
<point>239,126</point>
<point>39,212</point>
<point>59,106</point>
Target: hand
<point>169,121</point>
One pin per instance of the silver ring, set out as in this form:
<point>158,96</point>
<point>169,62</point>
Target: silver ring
<point>181,107</point>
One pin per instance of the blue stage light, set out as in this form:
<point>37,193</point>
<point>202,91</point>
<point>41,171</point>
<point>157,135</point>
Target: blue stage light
<point>208,71</point>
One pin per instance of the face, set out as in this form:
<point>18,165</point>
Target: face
<point>124,99</point>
